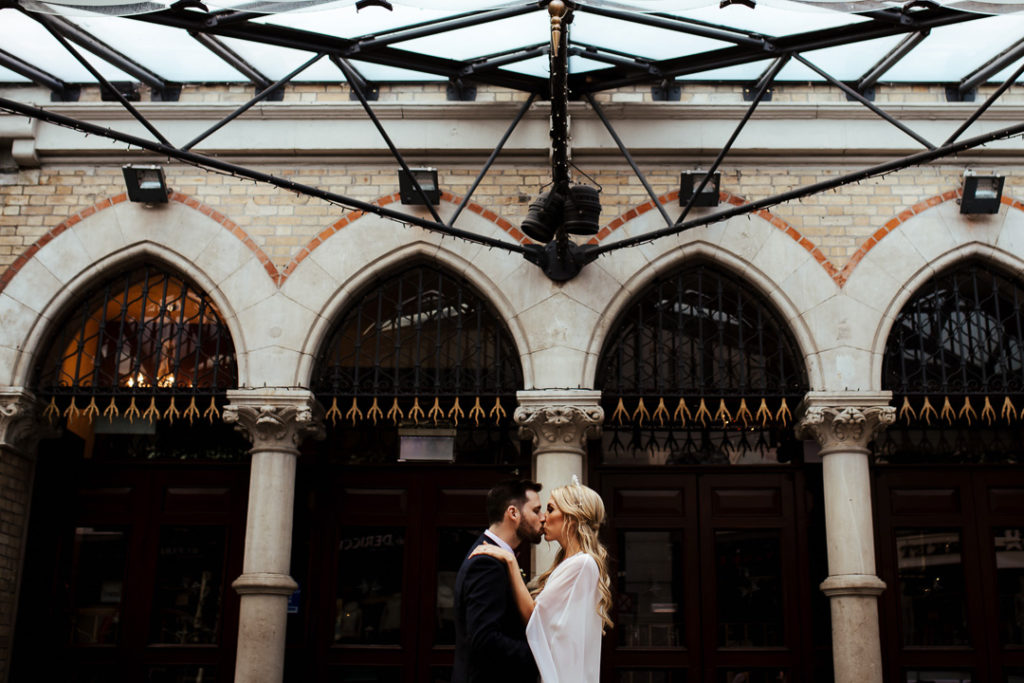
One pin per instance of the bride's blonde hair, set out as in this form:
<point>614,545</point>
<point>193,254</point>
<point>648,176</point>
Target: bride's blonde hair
<point>583,512</point>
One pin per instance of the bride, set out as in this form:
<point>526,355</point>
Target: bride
<point>567,610</point>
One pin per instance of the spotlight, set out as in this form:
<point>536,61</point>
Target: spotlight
<point>982,193</point>
<point>582,209</point>
<point>544,217</point>
<point>145,184</point>
<point>689,180</point>
<point>427,179</point>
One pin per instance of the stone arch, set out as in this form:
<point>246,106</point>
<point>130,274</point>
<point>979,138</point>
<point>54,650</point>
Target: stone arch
<point>66,265</point>
<point>768,286</point>
<point>455,262</point>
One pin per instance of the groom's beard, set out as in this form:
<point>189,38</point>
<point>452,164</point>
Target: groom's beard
<point>527,535</point>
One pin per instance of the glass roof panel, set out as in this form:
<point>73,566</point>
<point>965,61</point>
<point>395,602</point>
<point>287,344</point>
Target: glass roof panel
<point>772,17</point>
<point>477,41</point>
<point>644,41</point>
<point>276,62</point>
<point>952,52</point>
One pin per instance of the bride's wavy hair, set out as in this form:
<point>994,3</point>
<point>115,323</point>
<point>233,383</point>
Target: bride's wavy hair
<point>584,514</point>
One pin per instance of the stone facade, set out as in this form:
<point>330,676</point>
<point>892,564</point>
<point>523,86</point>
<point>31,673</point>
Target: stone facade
<point>838,266</point>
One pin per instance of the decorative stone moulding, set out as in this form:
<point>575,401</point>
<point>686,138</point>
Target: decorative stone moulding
<point>275,418</point>
<point>559,420</point>
<point>842,421</point>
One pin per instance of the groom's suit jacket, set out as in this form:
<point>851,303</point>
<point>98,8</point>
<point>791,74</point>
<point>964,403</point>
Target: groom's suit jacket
<point>490,637</point>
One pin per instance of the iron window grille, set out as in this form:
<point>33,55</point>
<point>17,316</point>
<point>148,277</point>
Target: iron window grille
<point>700,369</point>
<point>146,333</point>
<point>420,346</point>
<point>954,361</point>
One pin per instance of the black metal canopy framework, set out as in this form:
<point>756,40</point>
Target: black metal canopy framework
<point>615,69</point>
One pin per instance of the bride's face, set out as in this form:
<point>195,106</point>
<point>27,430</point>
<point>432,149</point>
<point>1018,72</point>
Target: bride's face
<point>554,525</point>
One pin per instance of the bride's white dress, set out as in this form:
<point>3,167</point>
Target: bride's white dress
<point>564,631</point>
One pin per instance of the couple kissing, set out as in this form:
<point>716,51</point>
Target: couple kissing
<point>507,631</point>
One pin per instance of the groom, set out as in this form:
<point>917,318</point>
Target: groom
<point>490,638</point>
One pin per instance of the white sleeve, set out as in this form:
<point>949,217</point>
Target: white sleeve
<point>561,624</point>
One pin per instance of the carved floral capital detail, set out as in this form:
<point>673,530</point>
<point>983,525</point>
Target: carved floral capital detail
<point>21,423</point>
<point>276,423</point>
<point>849,426</point>
<point>559,427</point>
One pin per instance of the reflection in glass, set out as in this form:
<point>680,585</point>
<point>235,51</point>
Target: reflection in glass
<point>182,674</point>
<point>933,676</point>
<point>742,675</point>
<point>369,598</point>
<point>189,578</point>
<point>650,676</point>
<point>1015,676</point>
<point>749,588</point>
<point>100,556</point>
<point>1009,547</point>
<point>453,544</point>
<point>933,603</point>
<point>650,604</point>
<point>660,446</point>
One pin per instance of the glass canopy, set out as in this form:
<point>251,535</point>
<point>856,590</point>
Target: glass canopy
<point>503,43</point>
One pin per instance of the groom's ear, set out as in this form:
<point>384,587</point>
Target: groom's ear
<point>512,511</point>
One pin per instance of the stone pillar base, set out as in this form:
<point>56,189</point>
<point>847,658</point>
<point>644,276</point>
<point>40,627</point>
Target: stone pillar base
<point>855,640</point>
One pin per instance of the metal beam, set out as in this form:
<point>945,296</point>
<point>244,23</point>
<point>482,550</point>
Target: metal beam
<point>991,67</point>
<point>245,107</point>
<point>102,50</point>
<point>243,172</point>
<point>599,55</point>
<point>47,80</point>
<point>681,25</point>
<point>865,101</point>
<point>465,20</point>
<point>232,58</point>
<point>762,88</point>
<point>354,78</point>
<point>986,104</point>
<point>881,25</point>
<point>503,58</point>
<point>310,41</point>
<point>901,50</point>
<point>807,190</point>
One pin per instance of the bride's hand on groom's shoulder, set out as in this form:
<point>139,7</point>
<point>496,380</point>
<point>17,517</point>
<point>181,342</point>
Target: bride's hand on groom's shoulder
<point>493,551</point>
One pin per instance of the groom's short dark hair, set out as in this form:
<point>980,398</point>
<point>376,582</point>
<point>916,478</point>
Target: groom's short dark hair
<point>505,493</point>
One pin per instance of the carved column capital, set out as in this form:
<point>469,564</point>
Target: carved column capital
<point>21,421</point>
<point>276,419</point>
<point>559,420</point>
<point>844,421</point>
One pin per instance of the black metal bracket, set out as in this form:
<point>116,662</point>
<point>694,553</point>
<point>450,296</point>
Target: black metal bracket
<point>666,91</point>
<point>955,94</point>
<point>560,261</point>
<point>129,90</point>
<point>461,91</point>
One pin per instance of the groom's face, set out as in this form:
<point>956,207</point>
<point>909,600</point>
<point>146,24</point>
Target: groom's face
<point>531,520</point>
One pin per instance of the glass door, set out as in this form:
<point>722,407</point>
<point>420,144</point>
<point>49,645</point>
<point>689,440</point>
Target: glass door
<point>713,578</point>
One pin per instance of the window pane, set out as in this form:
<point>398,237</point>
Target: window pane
<point>650,600</point>
<point>932,676</point>
<point>369,598</point>
<point>365,674</point>
<point>932,593</point>
<point>453,544</point>
<point>189,585</point>
<point>749,588</point>
<point>182,674</point>
<point>1010,580</point>
<point>100,556</point>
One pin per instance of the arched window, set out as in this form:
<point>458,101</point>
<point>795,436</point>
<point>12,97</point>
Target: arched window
<point>420,348</point>
<point>954,361</point>
<point>699,368</point>
<point>146,344</point>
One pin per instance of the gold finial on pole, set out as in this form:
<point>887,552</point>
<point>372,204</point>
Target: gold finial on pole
<point>556,8</point>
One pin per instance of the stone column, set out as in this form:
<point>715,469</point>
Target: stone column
<point>276,421</point>
<point>843,424</point>
<point>20,430</point>
<point>559,422</point>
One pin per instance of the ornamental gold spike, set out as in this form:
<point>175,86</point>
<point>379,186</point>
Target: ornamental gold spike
<point>557,9</point>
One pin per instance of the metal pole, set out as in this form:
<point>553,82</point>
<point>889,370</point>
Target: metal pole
<point>865,101</point>
<point>988,103</point>
<point>354,80</point>
<point>219,165</point>
<point>765,81</point>
<point>494,155</point>
<point>839,181</point>
<point>629,158</point>
<point>248,105</point>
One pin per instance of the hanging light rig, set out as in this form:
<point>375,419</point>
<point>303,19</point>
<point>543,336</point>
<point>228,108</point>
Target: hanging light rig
<point>565,208</point>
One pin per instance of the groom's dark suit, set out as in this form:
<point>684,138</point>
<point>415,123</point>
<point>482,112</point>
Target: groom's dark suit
<point>490,638</point>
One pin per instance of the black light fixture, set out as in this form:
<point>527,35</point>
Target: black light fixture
<point>982,193</point>
<point>689,180</point>
<point>145,184</point>
<point>578,213</point>
<point>427,178</point>
<point>544,217</point>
